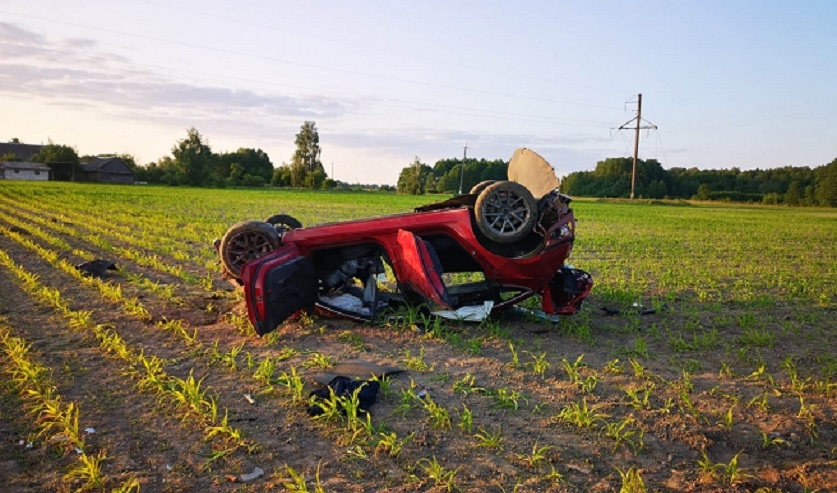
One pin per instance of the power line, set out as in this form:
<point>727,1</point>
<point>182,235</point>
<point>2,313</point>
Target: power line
<point>303,64</point>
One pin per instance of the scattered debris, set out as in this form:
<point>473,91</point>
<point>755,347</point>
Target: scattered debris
<point>249,398</point>
<point>246,478</point>
<point>467,313</point>
<point>582,470</point>
<point>538,314</point>
<point>356,369</point>
<point>79,451</point>
<point>96,268</point>
<point>636,309</point>
<point>90,430</point>
<point>342,386</point>
<point>422,393</point>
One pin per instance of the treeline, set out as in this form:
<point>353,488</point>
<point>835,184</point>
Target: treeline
<point>193,163</point>
<point>788,185</point>
<point>444,177</point>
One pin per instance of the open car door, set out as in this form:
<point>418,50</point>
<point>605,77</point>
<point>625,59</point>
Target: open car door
<point>278,285</point>
<point>420,269</point>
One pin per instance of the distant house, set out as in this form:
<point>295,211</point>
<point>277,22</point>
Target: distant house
<point>23,152</point>
<point>18,170</point>
<point>107,170</point>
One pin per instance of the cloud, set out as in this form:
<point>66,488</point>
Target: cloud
<point>75,71</point>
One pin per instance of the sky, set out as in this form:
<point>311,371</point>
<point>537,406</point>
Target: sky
<point>748,84</point>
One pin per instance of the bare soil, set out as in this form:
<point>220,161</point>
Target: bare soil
<point>707,401</point>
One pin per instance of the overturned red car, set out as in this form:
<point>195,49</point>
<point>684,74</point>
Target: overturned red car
<point>492,248</point>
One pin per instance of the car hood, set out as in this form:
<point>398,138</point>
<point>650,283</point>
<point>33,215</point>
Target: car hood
<point>532,171</point>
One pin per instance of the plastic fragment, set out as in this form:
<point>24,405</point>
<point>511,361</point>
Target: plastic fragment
<point>79,451</point>
<point>249,398</point>
<point>582,470</point>
<point>422,393</point>
<point>257,472</point>
<point>169,467</point>
<point>89,430</point>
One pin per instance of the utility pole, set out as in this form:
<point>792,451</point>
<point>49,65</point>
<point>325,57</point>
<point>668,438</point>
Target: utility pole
<point>638,119</point>
<point>462,171</point>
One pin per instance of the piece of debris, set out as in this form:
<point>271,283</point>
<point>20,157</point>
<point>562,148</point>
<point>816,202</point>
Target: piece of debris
<point>582,470</point>
<point>467,313</point>
<point>249,398</point>
<point>537,314</point>
<point>637,309</point>
<point>356,369</point>
<point>342,386</point>
<point>422,393</point>
<point>79,451</point>
<point>246,478</point>
<point>90,430</point>
<point>96,268</point>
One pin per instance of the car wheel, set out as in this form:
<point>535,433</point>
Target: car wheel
<point>246,241</point>
<point>479,187</point>
<point>505,211</point>
<point>283,222</point>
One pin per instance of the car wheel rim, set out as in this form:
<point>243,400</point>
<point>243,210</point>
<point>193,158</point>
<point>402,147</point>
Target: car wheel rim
<point>505,212</point>
<point>246,247</point>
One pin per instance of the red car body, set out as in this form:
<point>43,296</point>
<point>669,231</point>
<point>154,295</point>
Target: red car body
<point>415,252</point>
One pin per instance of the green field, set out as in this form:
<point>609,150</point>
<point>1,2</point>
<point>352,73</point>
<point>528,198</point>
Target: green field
<point>729,386</point>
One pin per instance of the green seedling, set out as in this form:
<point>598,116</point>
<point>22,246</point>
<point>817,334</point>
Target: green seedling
<point>442,477</point>
<point>539,364</point>
<point>581,415</point>
<point>490,440</point>
<point>536,458</point>
<point>631,481</point>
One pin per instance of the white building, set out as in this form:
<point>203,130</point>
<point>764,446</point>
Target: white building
<point>13,170</point>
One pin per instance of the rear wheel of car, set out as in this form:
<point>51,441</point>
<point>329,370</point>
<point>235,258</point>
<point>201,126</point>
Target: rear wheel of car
<point>246,241</point>
<point>505,212</point>
<point>479,187</point>
<point>283,222</point>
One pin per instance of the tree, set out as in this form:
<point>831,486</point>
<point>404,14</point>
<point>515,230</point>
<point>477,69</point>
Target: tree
<point>306,158</point>
<point>281,176</point>
<point>54,153</point>
<point>413,178</point>
<point>193,158</point>
<point>703,192</point>
<point>826,184</point>
<point>793,195</point>
<point>251,161</point>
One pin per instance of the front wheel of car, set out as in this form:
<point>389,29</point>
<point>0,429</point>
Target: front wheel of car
<point>505,212</point>
<point>246,241</point>
<point>283,222</point>
<point>479,187</point>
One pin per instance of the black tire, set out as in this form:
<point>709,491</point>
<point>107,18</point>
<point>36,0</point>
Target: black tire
<point>505,212</point>
<point>246,241</point>
<point>479,187</point>
<point>283,222</point>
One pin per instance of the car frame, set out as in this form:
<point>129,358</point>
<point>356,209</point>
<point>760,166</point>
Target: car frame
<point>503,242</point>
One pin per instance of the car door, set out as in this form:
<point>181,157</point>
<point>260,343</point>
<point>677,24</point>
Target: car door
<point>278,285</point>
<point>418,267</point>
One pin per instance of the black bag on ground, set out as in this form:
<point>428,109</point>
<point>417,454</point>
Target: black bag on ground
<point>346,387</point>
